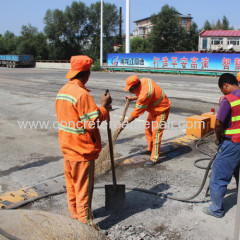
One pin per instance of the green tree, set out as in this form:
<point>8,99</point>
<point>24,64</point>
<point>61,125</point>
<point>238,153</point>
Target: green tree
<point>55,29</point>
<point>2,49</point>
<point>167,34</point>
<point>218,25</point>
<point>207,25</point>
<point>110,26</point>
<point>55,25</point>
<point>77,29</point>
<point>9,43</point>
<point>192,40</point>
<point>32,42</point>
<point>225,23</point>
<point>138,45</point>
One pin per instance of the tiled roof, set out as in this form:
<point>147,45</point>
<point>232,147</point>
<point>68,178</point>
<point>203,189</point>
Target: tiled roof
<point>220,33</point>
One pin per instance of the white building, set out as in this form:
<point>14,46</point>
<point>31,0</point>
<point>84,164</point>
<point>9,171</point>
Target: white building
<point>219,41</point>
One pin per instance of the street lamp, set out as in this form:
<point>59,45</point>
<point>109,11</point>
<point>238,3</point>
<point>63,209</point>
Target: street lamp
<point>127,26</point>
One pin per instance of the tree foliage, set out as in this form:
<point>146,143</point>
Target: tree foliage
<point>110,26</point>
<point>8,43</point>
<point>32,42</point>
<point>168,35</point>
<point>139,45</point>
<point>219,25</point>
<point>225,23</point>
<point>207,25</point>
<point>76,30</point>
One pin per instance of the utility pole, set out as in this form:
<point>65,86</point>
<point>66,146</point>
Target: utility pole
<point>101,36</point>
<point>127,26</point>
<point>120,26</point>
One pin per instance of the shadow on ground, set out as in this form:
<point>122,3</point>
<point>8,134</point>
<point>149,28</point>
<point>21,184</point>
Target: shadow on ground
<point>135,202</point>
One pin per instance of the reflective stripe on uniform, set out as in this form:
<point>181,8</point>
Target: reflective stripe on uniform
<point>232,131</point>
<point>235,103</point>
<point>149,87</point>
<point>67,97</point>
<point>157,139</point>
<point>141,106</point>
<point>237,118</point>
<point>158,101</point>
<point>72,130</point>
<point>89,116</point>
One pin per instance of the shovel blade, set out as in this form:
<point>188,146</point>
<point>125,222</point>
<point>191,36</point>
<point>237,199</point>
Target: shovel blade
<point>114,197</point>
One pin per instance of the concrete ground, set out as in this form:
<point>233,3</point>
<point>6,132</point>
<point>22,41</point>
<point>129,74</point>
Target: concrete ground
<point>31,155</point>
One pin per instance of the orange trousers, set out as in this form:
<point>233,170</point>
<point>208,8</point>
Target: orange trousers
<point>79,177</point>
<point>153,131</point>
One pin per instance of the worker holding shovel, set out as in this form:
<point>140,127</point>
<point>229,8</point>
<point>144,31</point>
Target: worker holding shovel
<point>150,97</point>
<point>79,136</point>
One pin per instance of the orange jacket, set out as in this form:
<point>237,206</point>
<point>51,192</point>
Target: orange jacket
<point>78,118</point>
<point>151,98</point>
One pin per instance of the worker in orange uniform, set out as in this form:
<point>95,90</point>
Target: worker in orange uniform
<point>79,136</point>
<point>150,97</point>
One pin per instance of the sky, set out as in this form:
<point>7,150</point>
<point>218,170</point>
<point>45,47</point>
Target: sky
<point>16,13</point>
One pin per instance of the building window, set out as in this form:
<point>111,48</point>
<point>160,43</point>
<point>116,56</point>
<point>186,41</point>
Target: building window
<point>217,41</point>
<point>233,41</point>
<point>184,22</point>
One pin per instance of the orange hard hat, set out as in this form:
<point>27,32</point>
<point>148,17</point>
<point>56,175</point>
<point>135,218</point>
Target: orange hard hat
<point>238,76</point>
<point>131,81</point>
<point>79,63</point>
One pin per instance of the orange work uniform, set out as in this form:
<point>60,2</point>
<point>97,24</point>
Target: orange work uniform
<point>151,98</point>
<point>80,142</point>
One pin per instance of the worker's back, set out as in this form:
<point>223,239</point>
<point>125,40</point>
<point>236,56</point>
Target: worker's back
<point>74,106</point>
<point>151,98</point>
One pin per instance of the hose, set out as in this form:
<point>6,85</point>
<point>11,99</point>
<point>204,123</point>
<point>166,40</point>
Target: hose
<point>186,199</point>
<point>178,198</point>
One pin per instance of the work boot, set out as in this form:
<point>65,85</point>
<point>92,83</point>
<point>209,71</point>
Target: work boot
<point>149,163</point>
<point>207,211</point>
<point>147,152</point>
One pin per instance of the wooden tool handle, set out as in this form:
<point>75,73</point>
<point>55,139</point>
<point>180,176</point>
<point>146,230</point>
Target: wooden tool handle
<point>111,147</point>
<point>125,110</point>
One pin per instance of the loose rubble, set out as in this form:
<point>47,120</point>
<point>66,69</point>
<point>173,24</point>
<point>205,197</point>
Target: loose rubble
<point>140,233</point>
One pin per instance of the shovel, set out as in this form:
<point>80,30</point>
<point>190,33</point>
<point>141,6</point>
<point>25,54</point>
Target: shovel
<point>115,193</point>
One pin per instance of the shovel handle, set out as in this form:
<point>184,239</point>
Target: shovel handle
<point>111,147</point>
<point>125,111</point>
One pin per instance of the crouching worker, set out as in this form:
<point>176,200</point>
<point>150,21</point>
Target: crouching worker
<point>150,97</point>
<point>79,136</point>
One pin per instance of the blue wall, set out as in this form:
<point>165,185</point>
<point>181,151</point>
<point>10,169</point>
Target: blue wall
<point>201,61</point>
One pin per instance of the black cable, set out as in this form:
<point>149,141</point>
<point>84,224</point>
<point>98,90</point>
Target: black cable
<point>8,236</point>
